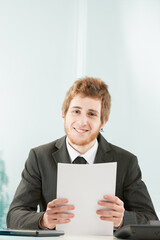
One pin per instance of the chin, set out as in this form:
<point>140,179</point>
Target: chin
<point>79,142</point>
<point>82,142</point>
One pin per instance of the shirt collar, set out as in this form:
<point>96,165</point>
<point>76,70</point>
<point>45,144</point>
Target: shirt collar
<point>89,155</point>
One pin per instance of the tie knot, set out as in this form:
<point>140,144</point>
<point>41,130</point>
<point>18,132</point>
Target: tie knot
<point>79,160</point>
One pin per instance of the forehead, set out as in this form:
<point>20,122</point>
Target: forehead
<point>85,102</point>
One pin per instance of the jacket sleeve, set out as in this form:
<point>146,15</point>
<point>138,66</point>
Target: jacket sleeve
<point>137,202</point>
<point>23,209</point>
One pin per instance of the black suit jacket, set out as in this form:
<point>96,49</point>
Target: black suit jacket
<point>39,182</point>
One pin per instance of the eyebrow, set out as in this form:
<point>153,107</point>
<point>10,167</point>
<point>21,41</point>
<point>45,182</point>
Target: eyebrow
<point>76,107</point>
<point>90,110</point>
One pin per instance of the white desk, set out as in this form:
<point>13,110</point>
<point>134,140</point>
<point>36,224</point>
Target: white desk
<point>64,237</point>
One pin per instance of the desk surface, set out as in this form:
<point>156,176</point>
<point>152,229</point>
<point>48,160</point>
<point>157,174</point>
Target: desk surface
<point>64,237</point>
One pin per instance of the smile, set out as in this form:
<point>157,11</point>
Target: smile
<point>80,130</point>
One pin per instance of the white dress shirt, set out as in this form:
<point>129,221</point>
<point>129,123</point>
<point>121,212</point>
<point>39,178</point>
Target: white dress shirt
<point>89,156</point>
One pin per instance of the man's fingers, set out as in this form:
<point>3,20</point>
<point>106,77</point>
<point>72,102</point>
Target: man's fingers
<point>62,208</point>
<point>111,205</point>
<point>112,202</point>
<point>113,209</point>
<point>57,212</point>
<point>52,223</point>
<point>62,221</point>
<point>115,199</point>
<point>109,213</point>
<point>57,201</point>
<point>58,205</point>
<point>116,221</point>
<point>64,215</point>
<point>61,216</point>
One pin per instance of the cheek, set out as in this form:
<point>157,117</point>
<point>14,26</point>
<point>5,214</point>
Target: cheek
<point>68,121</point>
<point>97,124</point>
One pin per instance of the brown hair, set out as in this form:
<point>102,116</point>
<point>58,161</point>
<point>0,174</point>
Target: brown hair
<point>90,87</point>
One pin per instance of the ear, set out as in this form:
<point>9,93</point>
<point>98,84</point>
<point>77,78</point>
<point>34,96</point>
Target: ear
<point>62,114</point>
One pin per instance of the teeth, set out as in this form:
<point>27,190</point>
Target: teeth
<point>81,131</point>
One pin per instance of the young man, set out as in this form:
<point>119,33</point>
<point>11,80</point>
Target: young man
<point>85,111</point>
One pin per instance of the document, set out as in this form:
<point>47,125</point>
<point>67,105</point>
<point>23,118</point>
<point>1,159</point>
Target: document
<point>84,185</point>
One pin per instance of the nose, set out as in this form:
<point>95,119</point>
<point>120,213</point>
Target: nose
<point>83,120</point>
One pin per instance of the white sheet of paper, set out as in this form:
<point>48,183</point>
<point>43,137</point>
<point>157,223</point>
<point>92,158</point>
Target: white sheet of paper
<point>84,185</point>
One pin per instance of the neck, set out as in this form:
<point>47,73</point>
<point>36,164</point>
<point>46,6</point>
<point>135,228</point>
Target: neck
<point>82,149</point>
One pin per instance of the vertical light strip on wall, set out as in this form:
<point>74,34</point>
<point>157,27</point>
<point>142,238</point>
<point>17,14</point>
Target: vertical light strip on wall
<point>81,38</point>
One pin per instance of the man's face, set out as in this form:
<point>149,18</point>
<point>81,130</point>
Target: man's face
<point>83,120</point>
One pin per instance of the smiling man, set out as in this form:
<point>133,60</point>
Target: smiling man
<point>85,110</point>
<point>82,122</point>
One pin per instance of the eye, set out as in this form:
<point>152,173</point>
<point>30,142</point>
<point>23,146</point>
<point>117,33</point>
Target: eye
<point>76,111</point>
<point>91,114</point>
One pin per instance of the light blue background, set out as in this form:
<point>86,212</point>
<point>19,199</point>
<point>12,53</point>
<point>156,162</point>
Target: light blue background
<point>45,45</point>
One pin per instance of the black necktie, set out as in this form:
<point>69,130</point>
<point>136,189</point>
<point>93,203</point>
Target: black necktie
<point>79,160</point>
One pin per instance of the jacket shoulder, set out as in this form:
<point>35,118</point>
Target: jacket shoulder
<point>121,151</point>
<point>49,147</point>
<point>113,149</point>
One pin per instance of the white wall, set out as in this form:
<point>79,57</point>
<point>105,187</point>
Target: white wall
<point>123,49</point>
<point>37,62</point>
<point>40,56</point>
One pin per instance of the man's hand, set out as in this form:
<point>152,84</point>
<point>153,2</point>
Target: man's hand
<point>57,212</point>
<point>113,211</point>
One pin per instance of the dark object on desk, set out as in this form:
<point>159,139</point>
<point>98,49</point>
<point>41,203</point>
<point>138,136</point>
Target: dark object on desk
<point>36,233</point>
<point>149,231</point>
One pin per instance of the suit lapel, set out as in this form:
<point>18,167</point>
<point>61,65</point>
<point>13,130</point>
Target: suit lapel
<point>61,155</point>
<point>104,152</point>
